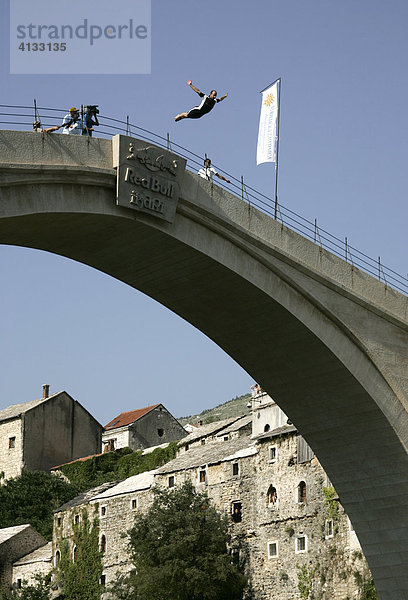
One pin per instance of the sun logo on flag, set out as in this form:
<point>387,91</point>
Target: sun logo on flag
<point>269,100</point>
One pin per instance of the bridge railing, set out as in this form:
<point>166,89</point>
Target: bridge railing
<point>23,116</point>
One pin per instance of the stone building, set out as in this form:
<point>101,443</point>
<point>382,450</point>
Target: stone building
<point>38,562</point>
<point>39,434</point>
<point>142,428</point>
<point>287,524</point>
<point>16,542</point>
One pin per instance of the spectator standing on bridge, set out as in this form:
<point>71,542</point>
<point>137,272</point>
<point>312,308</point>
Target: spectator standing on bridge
<point>207,172</point>
<point>71,123</point>
<point>90,119</point>
<point>207,104</point>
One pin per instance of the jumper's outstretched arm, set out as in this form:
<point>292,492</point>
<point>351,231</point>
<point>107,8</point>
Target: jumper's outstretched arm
<point>193,87</point>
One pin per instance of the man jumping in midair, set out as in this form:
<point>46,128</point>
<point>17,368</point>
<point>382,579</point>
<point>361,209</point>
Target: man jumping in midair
<point>207,104</point>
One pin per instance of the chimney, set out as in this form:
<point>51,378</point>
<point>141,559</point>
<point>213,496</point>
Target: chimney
<point>46,390</point>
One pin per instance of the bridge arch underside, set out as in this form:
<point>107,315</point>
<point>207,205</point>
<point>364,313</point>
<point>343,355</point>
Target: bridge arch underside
<point>249,304</point>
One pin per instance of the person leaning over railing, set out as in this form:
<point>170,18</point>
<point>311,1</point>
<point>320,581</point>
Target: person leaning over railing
<point>71,124</point>
<point>207,172</point>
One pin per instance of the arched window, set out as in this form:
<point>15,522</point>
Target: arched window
<point>75,554</point>
<point>103,543</point>
<point>267,427</point>
<point>272,496</point>
<point>302,492</point>
<point>57,558</point>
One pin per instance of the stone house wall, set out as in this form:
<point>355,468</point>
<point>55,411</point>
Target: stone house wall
<point>119,438</point>
<point>11,453</point>
<point>24,540</point>
<point>155,427</point>
<point>37,563</point>
<point>46,433</point>
<point>57,431</point>
<point>330,557</point>
<point>115,517</point>
<point>280,537</point>
<point>114,525</point>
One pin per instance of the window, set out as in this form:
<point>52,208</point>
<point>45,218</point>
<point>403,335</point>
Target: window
<point>171,481</point>
<point>57,558</point>
<point>226,438</point>
<point>202,476</point>
<point>109,445</point>
<point>273,453</point>
<point>267,427</point>
<point>103,511</point>
<point>186,447</point>
<point>301,544</point>
<point>134,503</point>
<point>236,512</point>
<point>203,442</point>
<point>302,492</point>
<point>59,521</point>
<point>272,497</point>
<point>76,520</point>
<point>103,580</point>
<point>329,529</point>
<point>19,584</point>
<point>235,556</point>
<point>103,543</point>
<point>272,549</point>
<point>12,442</point>
<point>75,554</point>
<point>235,468</point>
<point>160,432</point>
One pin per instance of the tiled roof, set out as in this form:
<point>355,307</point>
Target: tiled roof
<point>43,554</point>
<point>127,418</point>
<point>136,483</point>
<point>81,459</point>
<point>236,426</point>
<point>9,532</point>
<point>210,429</point>
<point>85,497</point>
<point>275,432</point>
<point>210,454</point>
<point>15,410</point>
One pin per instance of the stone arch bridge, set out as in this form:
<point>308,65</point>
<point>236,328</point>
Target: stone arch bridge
<point>327,341</point>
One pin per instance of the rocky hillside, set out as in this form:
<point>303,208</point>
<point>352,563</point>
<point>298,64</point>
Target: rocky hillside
<point>236,406</point>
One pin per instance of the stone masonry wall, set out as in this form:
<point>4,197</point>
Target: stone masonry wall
<point>13,549</point>
<point>115,517</point>
<point>26,572</point>
<point>11,458</point>
<point>329,557</point>
<point>284,537</point>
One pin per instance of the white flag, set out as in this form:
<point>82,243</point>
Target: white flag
<point>266,149</point>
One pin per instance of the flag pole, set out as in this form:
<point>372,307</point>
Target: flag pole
<point>277,150</point>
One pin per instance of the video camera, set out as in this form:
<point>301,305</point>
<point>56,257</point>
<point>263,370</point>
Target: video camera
<point>91,109</point>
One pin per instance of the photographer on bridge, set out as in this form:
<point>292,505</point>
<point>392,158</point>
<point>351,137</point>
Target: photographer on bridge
<point>71,123</point>
<point>90,119</point>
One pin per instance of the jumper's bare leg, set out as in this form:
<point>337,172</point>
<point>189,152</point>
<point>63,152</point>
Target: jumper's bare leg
<point>180,116</point>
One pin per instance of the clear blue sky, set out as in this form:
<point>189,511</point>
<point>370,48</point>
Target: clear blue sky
<point>343,159</point>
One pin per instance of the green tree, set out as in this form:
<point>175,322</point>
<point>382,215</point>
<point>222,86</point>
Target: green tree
<point>179,551</point>
<point>79,579</point>
<point>32,498</point>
